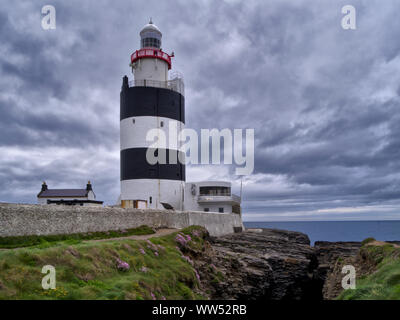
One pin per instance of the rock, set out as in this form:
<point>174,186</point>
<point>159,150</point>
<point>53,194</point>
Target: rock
<point>331,257</point>
<point>263,264</point>
<point>272,264</point>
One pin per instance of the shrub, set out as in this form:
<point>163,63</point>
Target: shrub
<point>368,240</point>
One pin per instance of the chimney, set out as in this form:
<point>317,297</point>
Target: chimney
<point>89,186</point>
<point>44,186</point>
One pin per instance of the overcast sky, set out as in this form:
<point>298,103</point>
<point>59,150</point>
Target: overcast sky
<point>323,101</point>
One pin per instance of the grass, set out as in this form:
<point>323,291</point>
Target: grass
<point>89,270</point>
<point>384,283</point>
<point>46,240</point>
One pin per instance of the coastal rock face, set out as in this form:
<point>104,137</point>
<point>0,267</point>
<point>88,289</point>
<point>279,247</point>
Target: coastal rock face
<point>263,264</point>
<point>270,264</point>
<point>331,257</point>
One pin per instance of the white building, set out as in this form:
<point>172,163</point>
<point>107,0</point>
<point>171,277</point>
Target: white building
<point>150,101</point>
<point>76,197</point>
<point>211,196</point>
<point>153,101</point>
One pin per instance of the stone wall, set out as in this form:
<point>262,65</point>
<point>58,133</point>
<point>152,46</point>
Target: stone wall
<point>24,219</point>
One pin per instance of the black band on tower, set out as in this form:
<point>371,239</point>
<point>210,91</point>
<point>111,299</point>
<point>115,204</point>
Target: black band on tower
<point>151,101</point>
<point>134,165</point>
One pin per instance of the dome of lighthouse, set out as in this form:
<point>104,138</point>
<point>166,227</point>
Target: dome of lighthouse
<point>150,36</point>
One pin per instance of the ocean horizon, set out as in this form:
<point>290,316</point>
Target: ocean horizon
<point>383,230</point>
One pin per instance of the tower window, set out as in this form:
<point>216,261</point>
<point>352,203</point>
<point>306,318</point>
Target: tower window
<point>133,120</point>
<point>221,210</point>
<point>161,124</point>
<point>151,199</point>
<point>151,42</point>
<point>206,209</point>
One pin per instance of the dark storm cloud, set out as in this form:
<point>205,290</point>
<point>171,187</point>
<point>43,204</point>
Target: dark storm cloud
<point>324,102</point>
<point>39,74</point>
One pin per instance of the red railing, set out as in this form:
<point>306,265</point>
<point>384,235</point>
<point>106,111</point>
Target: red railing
<point>151,53</point>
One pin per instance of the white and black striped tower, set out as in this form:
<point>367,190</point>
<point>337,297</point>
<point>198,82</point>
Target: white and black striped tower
<point>151,101</point>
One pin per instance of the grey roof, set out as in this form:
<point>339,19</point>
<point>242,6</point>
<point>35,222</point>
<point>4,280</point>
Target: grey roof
<point>63,193</point>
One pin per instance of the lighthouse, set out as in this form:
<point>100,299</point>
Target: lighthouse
<point>151,101</point>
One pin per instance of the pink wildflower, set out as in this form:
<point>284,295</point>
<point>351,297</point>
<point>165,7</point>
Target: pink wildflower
<point>142,251</point>
<point>187,259</point>
<point>153,296</point>
<point>144,269</point>
<point>151,245</point>
<point>122,265</point>
<point>196,233</point>
<point>182,239</point>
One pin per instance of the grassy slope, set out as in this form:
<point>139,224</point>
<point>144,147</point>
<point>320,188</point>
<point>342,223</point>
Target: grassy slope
<point>384,283</point>
<point>45,241</point>
<point>89,270</point>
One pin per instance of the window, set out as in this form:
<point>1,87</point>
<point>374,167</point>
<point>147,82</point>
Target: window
<point>150,199</point>
<point>206,209</point>
<point>221,210</point>
<point>215,191</point>
<point>151,42</point>
<point>133,120</point>
<point>161,124</point>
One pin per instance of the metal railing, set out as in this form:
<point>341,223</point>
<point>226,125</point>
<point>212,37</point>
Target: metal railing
<point>176,84</point>
<point>152,53</point>
<point>219,198</point>
<point>236,198</point>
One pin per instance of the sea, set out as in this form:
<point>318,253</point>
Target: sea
<point>388,230</point>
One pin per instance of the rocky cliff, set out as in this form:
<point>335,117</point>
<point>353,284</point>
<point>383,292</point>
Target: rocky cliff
<point>330,255</point>
<point>272,264</point>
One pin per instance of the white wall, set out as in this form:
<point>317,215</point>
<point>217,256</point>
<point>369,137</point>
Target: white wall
<point>169,191</point>
<point>214,207</point>
<point>133,135</point>
<point>151,69</point>
<point>190,199</point>
<point>44,201</point>
<point>191,203</point>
